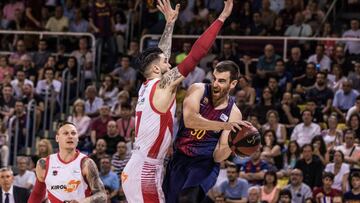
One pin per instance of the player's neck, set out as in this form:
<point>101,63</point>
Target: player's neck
<point>67,155</point>
<point>221,101</point>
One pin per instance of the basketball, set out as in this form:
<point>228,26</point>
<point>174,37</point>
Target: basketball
<point>244,142</point>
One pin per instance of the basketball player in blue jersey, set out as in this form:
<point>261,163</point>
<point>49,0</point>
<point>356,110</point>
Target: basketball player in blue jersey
<point>201,143</point>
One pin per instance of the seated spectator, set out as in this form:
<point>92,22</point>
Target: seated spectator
<point>108,91</point>
<point>353,195</point>
<point>285,196</point>
<point>49,85</point>
<point>354,109</point>
<point>313,15</point>
<point>5,68</point>
<point>315,111</point>
<point>82,123</point>
<point>310,166</point>
<point>25,178</point>
<point>250,94</point>
<point>354,77</point>
<point>269,191</point>
<point>241,103</point>
<point>30,71</point>
<point>120,158</point>
<point>59,22</point>
<point>299,28</point>
<point>234,188</point>
<point>326,191</point>
<point>195,76</point>
<point>293,153</point>
<point>19,82</point>
<point>266,104</point>
<point>272,118</point>
<point>10,8</point>
<point>126,124</point>
<point>299,190</point>
<point>41,56</point>
<point>108,177</point>
<point>78,24</point>
<point>112,137</point>
<point>278,29</point>
<point>125,74</point>
<point>99,124</point>
<point>332,136</point>
<point>354,125</point>
<point>14,58</point>
<point>352,47</point>
<point>344,98</point>
<point>336,78</point>
<point>349,148</point>
<point>268,15</point>
<point>93,102</point>
<point>304,132</point>
<point>185,51</point>
<point>289,113</point>
<point>4,149</point>
<point>322,61</point>
<point>267,62</point>
<point>256,28</point>
<point>283,77</point>
<point>341,171</point>
<point>288,13</point>
<point>83,55</point>
<point>43,149</point>
<point>254,194</point>
<point>99,152</point>
<point>7,103</point>
<point>273,84</point>
<point>9,191</point>
<point>253,170</point>
<point>321,93</point>
<point>303,84</point>
<point>122,98</point>
<point>320,149</point>
<point>344,62</point>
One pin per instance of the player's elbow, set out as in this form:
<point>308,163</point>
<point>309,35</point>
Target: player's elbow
<point>189,120</point>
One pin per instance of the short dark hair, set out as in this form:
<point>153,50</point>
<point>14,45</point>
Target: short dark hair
<point>328,175</point>
<point>285,192</point>
<point>271,173</point>
<point>322,73</point>
<point>355,174</point>
<point>230,66</point>
<point>358,97</point>
<point>233,166</point>
<point>307,110</point>
<point>147,57</point>
<point>307,145</point>
<point>62,123</point>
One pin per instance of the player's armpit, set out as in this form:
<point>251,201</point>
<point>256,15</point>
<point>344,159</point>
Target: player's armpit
<point>91,174</point>
<point>171,79</point>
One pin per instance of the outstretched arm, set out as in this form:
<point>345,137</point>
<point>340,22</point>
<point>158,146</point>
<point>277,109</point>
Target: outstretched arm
<point>96,186</point>
<point>200,48</point>
<point>170,15</point>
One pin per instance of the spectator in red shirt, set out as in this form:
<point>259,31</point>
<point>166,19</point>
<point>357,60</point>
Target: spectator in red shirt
<point>99,124</point>
<point>326,193</point>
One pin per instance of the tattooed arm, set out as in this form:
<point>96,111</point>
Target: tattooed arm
<point>170,15</point>
<point>96,186</point>
<point>38,193</point>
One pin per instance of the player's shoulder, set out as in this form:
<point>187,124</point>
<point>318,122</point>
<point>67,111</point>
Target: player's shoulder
<point>235,110</point>
<point>197,87</point>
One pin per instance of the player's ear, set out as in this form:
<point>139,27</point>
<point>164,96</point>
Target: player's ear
<point>56,137</point>
<point>156,69</point>
<point>233,84</point>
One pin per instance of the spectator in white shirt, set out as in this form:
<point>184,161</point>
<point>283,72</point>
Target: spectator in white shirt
<point>299,28</point>
<point>304,132</point>
<point>25,178</point>
<point>320,59</point>
<point>349,149</point>
<point>353,47</point>
<point>353,110</point>
<point>18,83</point>
<point>44,87</point>
<point>93,102</point>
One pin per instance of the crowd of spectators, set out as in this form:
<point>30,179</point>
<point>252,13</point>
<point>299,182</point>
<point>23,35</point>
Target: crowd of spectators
<point>306,107</point>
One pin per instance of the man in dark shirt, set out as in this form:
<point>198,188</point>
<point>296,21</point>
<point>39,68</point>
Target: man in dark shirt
<point>288,13</point>
<point>321,93</point>
<point>296,66</point>
<point>256,28</point>
<point>112,137</point>
<point>102,22</point>
<point>306,82</point>
<point>310,166</point>
<point>354,194</point>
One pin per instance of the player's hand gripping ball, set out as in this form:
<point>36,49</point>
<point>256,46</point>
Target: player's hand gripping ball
<point>244,142</point>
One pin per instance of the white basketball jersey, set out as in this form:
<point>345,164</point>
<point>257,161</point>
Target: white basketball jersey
<point>153,128</point>
<point>64,181</point>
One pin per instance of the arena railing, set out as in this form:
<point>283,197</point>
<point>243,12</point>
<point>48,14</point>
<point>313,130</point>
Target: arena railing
<point>248,44</point>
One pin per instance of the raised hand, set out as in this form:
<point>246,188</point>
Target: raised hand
<point>227,10</point>
<point>170,14</point>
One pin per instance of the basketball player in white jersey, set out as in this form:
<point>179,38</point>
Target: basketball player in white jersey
<point>155,110</point>
<point>67,176</point>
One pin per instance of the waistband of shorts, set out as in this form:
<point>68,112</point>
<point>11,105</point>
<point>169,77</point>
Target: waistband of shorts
<point>139,153</point>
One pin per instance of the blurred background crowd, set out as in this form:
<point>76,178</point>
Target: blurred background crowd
<point>303,99</point>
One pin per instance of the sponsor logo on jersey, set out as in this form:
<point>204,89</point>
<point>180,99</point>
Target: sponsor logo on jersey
<point>205,100</point>
<point>55,172</point>
<point>224,117</point>
<point>71,186</point>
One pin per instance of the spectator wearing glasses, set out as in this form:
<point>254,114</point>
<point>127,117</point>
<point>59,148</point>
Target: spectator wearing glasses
<point>299,190</point>
<point>10,193</point>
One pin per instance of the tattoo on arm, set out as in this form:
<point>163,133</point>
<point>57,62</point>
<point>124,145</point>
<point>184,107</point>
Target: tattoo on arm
<point>42,163</point>
<point>95,183</point>
<point>169,77</point>
<point>165,41</point>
